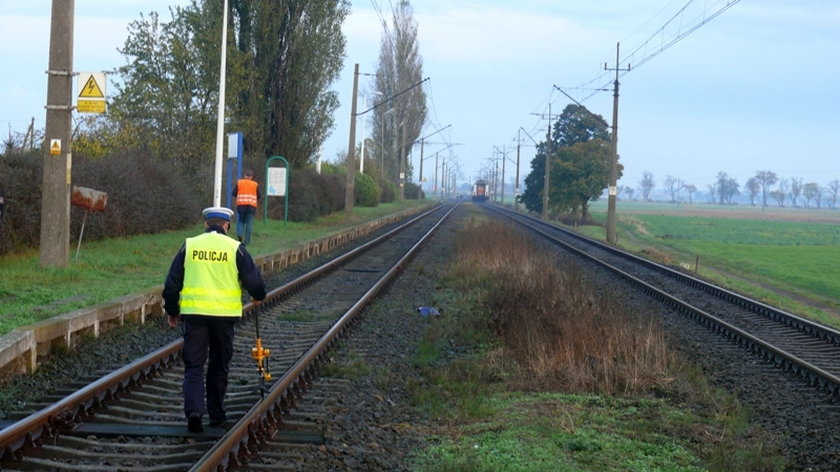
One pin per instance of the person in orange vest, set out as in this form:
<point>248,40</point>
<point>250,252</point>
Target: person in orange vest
<point>203,290</point>
<point>247,193</point>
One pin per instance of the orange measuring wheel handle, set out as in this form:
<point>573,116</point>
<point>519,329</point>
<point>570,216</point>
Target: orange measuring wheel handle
<point>260,354</point>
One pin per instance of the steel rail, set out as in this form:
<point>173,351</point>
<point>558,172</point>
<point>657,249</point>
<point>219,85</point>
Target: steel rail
<point>264,418</point>
<point>813,374</point>
<point>47,423</point>
<point>789,319</point>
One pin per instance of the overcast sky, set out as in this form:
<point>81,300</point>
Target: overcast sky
<point>755,88</point>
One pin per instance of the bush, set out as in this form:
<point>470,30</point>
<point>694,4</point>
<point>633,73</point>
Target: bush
<point>311,195</point>
<point>145,195</point>
<point>20,186</point>
<point>387,191</point>
<point>413,192</point>
<point>366,191</point>
<point>303,204</point>
<point>331,189</point>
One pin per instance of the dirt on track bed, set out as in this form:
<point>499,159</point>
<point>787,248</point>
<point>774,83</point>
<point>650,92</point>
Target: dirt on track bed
<point>374,426</point>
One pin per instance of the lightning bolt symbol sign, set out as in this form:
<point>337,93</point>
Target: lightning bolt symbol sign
<point>91,89</point>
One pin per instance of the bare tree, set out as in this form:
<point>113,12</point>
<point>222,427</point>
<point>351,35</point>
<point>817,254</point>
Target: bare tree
<point>713,190</point>
<point>626,189</point>
<point>765,179</point>
<point>673,185</point>
<point>779,196</point>
<point>833,191</point>
<point>17,142</point>
<point>691,189</point>
<point>646,185</point>
<point>782,187</point>
<point>811,191</point>
<point>753,188</point>
<point>727,188</point>
<point>795,189</point>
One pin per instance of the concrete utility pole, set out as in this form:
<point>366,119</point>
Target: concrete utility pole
<point>350,194</point>
<point>402,161</point>
<point>536,145</point>
<point>496,178</point>
<point>504,158</point>
<point>57,161</point>
<point>548,148</point>
<point>613,189</point>
<point>547,167</point>
<point>420,180</point>
<point>422,142</point>
<point>518,145</point>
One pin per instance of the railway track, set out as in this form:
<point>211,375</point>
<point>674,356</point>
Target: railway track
<point>132,418</point>
<point>797,345</point>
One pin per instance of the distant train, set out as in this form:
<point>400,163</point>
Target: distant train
<point>479,193</point>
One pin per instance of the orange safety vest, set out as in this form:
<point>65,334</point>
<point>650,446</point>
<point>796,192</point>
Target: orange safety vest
<point>246,192</point>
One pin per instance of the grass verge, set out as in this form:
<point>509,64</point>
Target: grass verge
<point>556,380</point>
<point>113,268</point>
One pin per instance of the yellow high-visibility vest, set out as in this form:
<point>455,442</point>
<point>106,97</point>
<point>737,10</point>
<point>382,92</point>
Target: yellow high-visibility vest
<point>211,281</point>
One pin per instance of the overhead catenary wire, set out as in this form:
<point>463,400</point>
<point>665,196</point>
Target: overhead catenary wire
<point>681,34</point>
<point>384,22</point>
<point>727,5</point>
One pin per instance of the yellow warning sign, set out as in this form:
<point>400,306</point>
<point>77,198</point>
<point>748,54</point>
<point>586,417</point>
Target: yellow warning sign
<point>90,106</point>
<point>55,147</point>
<point>91,89</point>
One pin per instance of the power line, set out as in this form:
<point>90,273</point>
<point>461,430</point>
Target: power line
<point>728,4</point>
<point>434,107</point>
<point>384,22</point>
<point>704,18</point>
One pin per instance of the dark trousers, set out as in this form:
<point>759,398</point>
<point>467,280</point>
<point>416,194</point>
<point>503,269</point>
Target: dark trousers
<point>207,337</point>
<point>245,222</point>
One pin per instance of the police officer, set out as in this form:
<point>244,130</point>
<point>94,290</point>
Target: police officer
<point>203,290</point>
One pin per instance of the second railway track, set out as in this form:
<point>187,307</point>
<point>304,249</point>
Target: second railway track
<point>806,348</point>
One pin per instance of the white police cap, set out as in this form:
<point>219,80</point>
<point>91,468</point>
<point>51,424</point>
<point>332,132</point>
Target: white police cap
<point>217,212</point>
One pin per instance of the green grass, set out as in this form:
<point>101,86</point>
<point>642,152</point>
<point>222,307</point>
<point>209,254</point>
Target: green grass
<point>113,268</point>
<point>740,231</point>
<point>560,432</point>
<point>785,257</point>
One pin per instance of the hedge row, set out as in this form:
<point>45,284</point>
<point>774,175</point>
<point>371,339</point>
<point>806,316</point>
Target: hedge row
<point>146,195</point>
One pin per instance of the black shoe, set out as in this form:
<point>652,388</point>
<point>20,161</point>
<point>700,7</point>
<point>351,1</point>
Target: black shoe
<point>194,423</point>
<point>217,421</point>
<point>224,424</point>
